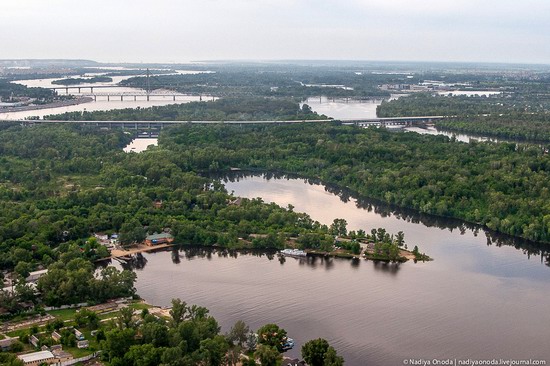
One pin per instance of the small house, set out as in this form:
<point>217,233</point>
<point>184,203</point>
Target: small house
<point>79,335</point>
<point>83,344</point>
<point>56,336</point>
<point>155,239</point>
<point>34,341</point>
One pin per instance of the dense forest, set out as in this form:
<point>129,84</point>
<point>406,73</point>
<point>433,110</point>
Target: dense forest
<point>516,126</point>
<point>509,116</point>
<point>13,90</point>
<point>226,109</point>
<point>502,186</point>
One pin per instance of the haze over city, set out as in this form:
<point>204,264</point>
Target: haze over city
<point>179,31</point>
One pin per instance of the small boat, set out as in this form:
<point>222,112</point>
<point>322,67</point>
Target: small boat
<point>293,252</point>
<point>289,344</point>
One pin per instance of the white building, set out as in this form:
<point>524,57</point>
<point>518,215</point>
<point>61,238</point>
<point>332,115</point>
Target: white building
<point>37,358</point>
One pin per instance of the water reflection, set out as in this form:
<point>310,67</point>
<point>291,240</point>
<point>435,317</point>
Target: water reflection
<point>188,253</point>
<point>386,211</point>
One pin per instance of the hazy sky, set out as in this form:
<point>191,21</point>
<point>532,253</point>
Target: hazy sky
<point>182,30</point>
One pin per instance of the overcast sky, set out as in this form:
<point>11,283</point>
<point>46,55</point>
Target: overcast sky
<point>182,30</point>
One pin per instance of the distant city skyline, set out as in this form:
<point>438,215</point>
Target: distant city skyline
<point>502,31</point>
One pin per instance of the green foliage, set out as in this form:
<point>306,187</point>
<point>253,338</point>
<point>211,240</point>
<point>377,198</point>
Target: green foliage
<point>268,355</point>
<point>242,109</point>
<point>9,359</point>
<point>272,81</point>
<point>10,90</point>
<point>74,282</point>
<point>238,333</point>
<point>501,186</point>
<point>273,336</point>
<point>318,352</point>
<point>86,81</point>
<point>518,116</point>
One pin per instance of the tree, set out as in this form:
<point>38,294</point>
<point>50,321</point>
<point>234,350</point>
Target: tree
<point>273,336</point>
<point>117,342</point>
<point>143,355</point>
<point>125,316</point>
<point>172,356</point>
<point>338,227</point>
<point>318,352</point>
<point>251,341</point>
<point>212,350</point>
<point>238,333</point>
<point>178,311</point>
<point>332,359</point>
<point>400,238</point>
<point>268,356</point>
<point>132,232</point>
<point>87,318</point>
<point>314,352</point>
<point>23,269</point>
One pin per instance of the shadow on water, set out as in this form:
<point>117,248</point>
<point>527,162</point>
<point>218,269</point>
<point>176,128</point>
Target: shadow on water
<point>178,254</point>
<point>529,248</point>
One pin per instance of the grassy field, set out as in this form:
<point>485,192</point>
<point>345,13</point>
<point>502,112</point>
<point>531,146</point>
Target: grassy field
<point>65,314</point>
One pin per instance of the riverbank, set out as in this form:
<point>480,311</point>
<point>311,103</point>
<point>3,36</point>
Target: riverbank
<point>142,248</point>
<point>62,103</point>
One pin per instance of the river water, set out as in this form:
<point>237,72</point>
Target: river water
<point>481,298</point>
<point>102,103</point>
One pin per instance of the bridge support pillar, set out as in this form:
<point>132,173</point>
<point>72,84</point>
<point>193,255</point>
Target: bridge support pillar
<point>200,98</point>
<point>147,97</point>
<point>108,98</point>
<point>135,98</point>
<point>79,90</point>
<point>121,98</point>
<point>95,98</point>
<point>91,89</point>
<point>174,97</point>
<point>66,90</point>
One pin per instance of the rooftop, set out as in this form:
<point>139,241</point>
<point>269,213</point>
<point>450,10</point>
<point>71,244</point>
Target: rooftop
<point>36,356</point>
<point>159,236</point>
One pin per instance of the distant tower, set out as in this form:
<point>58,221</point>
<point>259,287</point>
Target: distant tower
<point>148,85</point>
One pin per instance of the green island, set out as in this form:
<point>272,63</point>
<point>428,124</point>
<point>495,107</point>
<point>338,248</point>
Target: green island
<point>226,109</point>
<point>79,81</point>
<point>13,92</point>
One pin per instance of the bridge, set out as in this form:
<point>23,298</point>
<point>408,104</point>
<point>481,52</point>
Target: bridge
<point>80,87</point>
<point>153,128</point>
<point>394,121</point>
<point>135,94</point>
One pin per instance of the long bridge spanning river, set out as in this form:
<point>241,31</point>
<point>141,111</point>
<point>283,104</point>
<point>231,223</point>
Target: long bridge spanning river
<point>153,128</point>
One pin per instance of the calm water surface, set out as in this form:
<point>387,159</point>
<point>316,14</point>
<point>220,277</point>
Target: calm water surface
<point>101,103</point>
<point>474,301</point>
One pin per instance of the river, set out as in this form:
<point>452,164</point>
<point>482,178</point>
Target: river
<point>349,109</point>
<point>481,298</point>
<point>102,103</point>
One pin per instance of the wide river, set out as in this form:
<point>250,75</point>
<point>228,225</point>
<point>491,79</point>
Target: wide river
<point>479,299</point>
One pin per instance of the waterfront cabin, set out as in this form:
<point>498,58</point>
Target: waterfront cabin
<point>155,239</point>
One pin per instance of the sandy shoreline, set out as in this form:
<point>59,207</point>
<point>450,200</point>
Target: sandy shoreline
<point>116,253</point>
